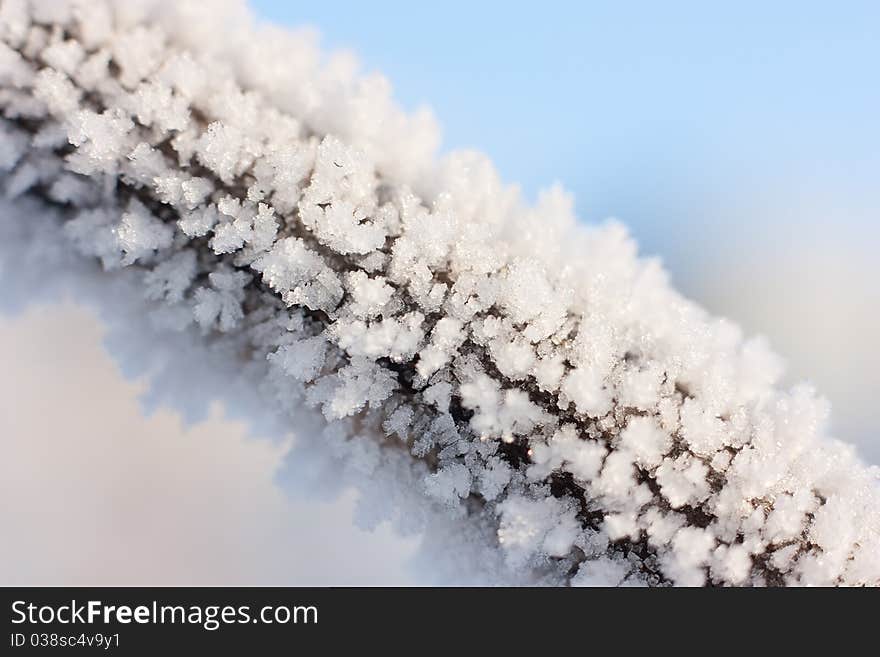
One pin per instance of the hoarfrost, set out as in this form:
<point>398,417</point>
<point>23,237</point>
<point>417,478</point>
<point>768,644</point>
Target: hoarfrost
<point>529,373</point>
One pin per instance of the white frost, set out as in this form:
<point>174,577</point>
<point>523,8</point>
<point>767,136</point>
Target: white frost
<point>502,359</point>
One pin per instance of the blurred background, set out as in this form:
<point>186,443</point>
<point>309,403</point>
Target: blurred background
<point>739,143</point>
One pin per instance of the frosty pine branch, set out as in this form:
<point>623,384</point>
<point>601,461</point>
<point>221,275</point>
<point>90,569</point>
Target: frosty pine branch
<point>553,383</point>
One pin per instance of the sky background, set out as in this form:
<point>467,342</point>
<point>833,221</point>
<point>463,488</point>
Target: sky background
<point>740,143</point>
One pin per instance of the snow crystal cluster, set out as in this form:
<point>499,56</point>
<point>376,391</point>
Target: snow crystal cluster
<point>544,380</point>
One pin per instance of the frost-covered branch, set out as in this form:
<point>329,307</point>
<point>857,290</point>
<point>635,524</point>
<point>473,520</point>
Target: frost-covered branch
<point>551,382</point>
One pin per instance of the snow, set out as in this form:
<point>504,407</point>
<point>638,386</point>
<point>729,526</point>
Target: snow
<point>369,294</point>
<point>300,275</point>
<point>647,443</point>
<point>302,359</point>
<point>170,279</point>
<point>504,359</point>
<point>140,234</point>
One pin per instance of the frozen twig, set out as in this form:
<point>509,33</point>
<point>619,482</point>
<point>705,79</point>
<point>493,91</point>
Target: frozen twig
<point>553,383</point>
